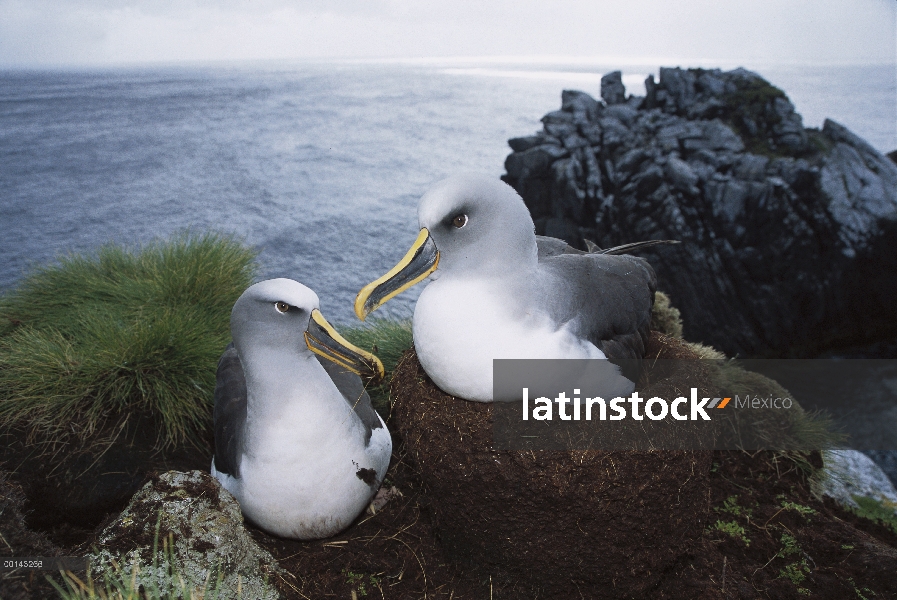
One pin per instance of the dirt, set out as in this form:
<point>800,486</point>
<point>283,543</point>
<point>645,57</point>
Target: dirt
<point>442,538</point>
<point>72,485</point>
<point>19,541</point>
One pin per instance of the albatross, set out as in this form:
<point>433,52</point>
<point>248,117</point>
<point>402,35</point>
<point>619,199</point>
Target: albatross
<point>499,291</point>
<point>297,441</point>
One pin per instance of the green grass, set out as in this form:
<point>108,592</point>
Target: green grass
<point>388,340</point>
<point>98,339</point>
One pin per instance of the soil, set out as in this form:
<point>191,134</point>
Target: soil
<point>71,485</point>
<point>774,539</point>
<point>557,521</point>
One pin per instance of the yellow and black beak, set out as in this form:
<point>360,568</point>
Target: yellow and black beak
<point>421,260</point>
<point>322,339</point>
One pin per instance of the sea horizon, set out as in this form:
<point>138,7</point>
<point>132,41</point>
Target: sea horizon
<point>318,164</point>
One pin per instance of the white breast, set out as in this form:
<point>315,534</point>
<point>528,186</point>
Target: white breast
<point>300,472</point>
<point>461,325</point>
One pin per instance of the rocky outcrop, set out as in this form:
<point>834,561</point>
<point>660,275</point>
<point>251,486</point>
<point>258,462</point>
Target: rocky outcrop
<point>210,549</point>
<point>786,230</point>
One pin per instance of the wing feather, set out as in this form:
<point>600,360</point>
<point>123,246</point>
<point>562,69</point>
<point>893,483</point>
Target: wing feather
<point>229,415</point>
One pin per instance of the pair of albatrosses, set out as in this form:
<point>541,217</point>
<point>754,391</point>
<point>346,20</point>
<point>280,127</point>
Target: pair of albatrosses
<point>296,439</point>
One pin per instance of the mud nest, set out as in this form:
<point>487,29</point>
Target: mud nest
<point>563,522</point>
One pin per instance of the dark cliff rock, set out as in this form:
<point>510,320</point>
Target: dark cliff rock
<point>788,233</point>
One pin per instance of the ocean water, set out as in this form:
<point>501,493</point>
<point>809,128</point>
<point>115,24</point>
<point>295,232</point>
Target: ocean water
<point>319,166</point>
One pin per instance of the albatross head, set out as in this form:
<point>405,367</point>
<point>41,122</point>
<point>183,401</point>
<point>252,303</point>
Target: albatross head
<point>471,225</point>
<point>283,315</point>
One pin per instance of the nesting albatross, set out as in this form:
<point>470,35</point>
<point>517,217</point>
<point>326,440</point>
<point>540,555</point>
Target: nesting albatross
<point>500,291</point>
<point>297,441</point>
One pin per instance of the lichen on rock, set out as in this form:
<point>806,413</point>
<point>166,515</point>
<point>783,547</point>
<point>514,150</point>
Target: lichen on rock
<point>211,548</point>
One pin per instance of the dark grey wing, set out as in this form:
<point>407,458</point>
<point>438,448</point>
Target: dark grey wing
<point>230,412</point>
<point>610,298</point>
<point>549,246</point>
<point>351,387</point>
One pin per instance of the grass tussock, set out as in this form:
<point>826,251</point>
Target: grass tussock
<point>665,317</point>
<point>795,434</point>
<point>98,338</point>
<point>388,340</point>
<point>795,430</point>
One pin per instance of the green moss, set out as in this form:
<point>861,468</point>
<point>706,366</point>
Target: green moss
<point>732,529</point>
<point>796,572</point>
<point>876,510</point>
<point>861,593</point>
<point>730,506</point>
<point>100,339</point>
<point>804,511</point>
<point>361,583</point>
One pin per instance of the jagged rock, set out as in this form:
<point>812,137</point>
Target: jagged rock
<point>786,231</point>
<point>850,473</point>
<point>612,89</point>
<point>209,539</point>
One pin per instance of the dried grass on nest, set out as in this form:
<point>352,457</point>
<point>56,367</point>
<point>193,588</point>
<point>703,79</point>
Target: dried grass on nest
<point>798,434</point>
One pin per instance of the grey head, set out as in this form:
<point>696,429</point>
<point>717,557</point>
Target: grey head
<point>479,224</point>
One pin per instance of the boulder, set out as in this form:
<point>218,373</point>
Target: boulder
<point>887,462</point>
<point>606,523</point>
<point>850,474</point>
<point>787,232</point>
<point>208,541</point>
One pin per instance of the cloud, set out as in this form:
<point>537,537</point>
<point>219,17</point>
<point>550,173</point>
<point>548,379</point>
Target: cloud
<point>106,31</point>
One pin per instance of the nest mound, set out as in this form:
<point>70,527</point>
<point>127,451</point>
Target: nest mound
<point>562,522</point>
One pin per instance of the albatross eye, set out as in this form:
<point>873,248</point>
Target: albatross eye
<point>281,307</point>
<point>459,221</point>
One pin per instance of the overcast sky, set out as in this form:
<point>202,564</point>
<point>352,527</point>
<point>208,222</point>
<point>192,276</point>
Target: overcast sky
<point>100,32</point>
